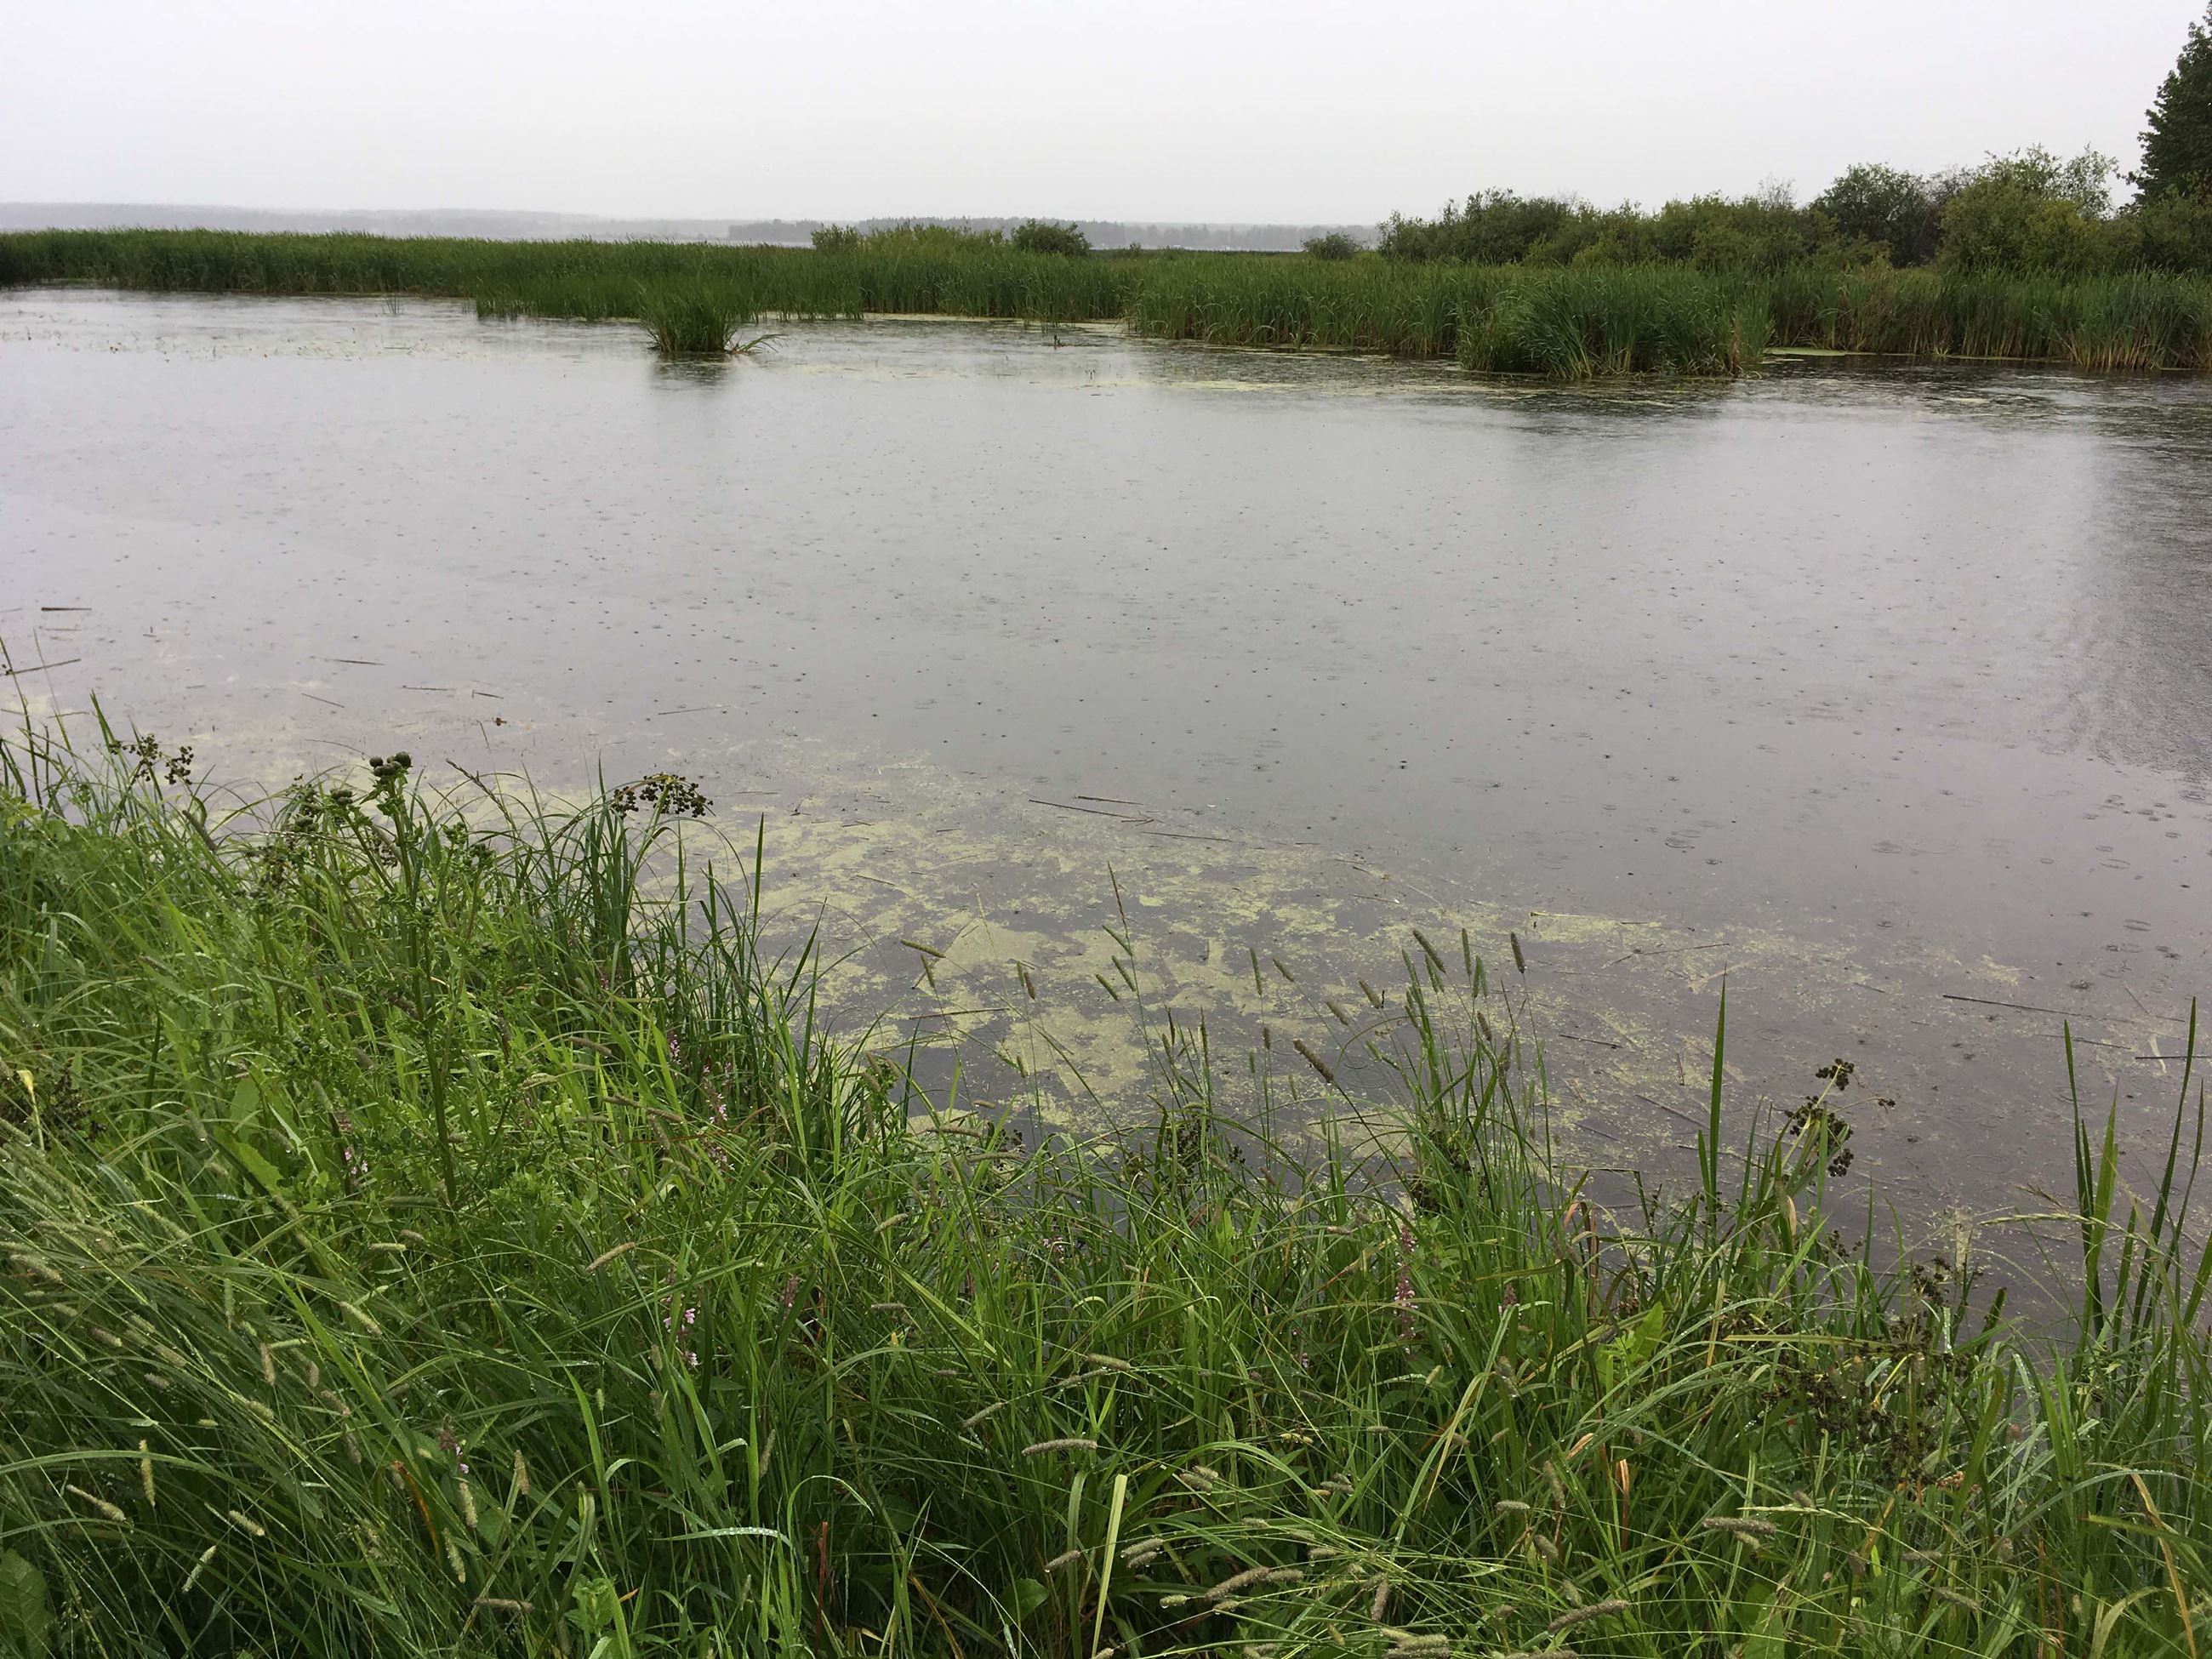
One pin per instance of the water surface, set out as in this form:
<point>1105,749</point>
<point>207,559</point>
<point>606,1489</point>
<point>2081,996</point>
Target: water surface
<point>1884,688</point>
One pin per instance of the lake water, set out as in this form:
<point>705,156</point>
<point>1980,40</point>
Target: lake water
<point>1886,690</point>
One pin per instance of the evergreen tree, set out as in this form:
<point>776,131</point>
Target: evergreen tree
<point>2177,148</point>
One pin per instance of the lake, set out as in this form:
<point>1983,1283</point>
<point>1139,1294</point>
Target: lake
<point>1881,693</point>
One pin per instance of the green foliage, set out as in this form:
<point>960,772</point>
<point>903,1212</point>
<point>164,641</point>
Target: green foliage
<point>1899,211</point>
<point>26,1619</point>
<point>2177,144</point>
<point>681,1327</point>
<point>1331,245</point>
<point>692,321</point>
<point>2171,231</point>
<point>1713,232</point>
<point>837,239</point>
<point>2031,211</point>
<point>1044,236</point>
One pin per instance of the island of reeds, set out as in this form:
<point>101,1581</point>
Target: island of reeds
<point>2025,258</point>
<point>439,1222</point>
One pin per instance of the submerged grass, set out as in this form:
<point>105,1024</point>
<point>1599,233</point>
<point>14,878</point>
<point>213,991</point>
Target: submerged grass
<point>1564,321</point>
<point>437,1224</point>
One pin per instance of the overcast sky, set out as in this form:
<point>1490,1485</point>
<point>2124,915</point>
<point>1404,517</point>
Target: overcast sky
<point>1293,109</point>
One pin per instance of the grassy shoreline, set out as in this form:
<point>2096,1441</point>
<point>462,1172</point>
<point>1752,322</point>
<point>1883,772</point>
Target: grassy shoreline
<point>1571,322</point>
<point>441,1224</point>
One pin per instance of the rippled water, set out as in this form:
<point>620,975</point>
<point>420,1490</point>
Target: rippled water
<point>1880,687</point>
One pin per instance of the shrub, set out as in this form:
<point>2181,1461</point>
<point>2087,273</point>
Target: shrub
<point>837,239</point>
<point>1043,236</point>
<point>1900,210</point>
<point>2031,212</point>
<point>1335,245</point>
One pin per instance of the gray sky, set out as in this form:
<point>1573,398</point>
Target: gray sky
<point>1289,110</point>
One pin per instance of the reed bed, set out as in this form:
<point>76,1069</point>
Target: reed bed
<point>438,1223</point>
<point>1570,321</point>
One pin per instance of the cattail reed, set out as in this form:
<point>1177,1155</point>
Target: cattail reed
<point>521,1475</point>
<point>983,1416</point>
<point>1313,1060</point>
<point>359,1318</point>
<point>605,1257</point>
<point>890,1221</point>
<point>453,1560</point>
<point>245,1523</point>
<point>503,1604</point>
<point>1380,1602</point>
<point>1520,962</point>
<point>1065,1557</point>
<point>468,1506</point>
<point>146,1471</point>
<point>1375,998</point>
<point>268,1366</point>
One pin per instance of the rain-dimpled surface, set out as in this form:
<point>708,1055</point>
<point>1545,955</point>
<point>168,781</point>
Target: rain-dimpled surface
<point>1879,686</point>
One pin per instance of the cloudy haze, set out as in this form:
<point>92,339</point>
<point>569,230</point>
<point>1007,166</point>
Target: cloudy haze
<point>1152,109</point>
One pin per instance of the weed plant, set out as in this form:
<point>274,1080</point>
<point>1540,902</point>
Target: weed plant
<point>439,1223</point>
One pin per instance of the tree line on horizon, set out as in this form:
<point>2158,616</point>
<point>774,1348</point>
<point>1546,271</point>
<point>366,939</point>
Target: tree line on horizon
<point>2030,210</point>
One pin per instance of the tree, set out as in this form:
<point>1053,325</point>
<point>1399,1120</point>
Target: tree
<point>1042,236</point>
<point>1871,203</point>
<point>2032,211</point>
<point>2178,147</point>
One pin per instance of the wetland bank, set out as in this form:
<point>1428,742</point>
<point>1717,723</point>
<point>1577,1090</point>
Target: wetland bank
<point>448,1240</point>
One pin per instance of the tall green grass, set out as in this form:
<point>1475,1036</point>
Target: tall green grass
<point>442,1224</point>
<point>1570,321</point>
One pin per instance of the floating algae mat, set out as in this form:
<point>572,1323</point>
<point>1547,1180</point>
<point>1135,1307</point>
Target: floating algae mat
<point>1875,695</point>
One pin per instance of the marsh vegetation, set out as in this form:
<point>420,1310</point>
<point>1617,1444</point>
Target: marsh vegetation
<point>439,1222</point>
<point>1566,320</point>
